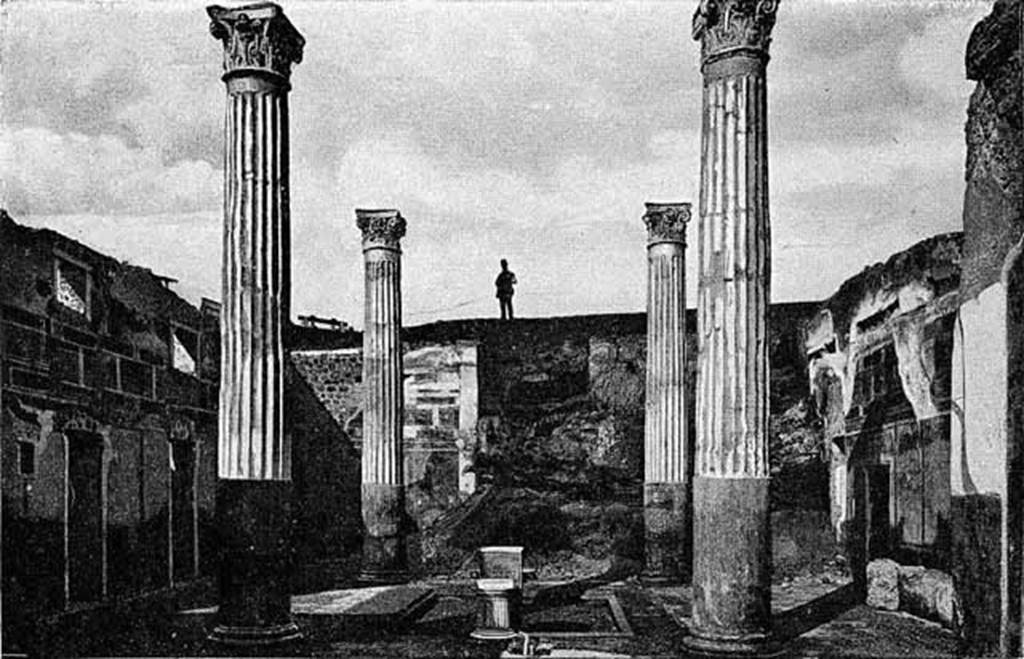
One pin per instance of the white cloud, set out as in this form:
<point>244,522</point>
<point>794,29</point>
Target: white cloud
<point>48,173</point>
<point>533,131</point>
<point>933,61</point>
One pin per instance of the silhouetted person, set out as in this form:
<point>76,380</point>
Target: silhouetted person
<point>505,283</point>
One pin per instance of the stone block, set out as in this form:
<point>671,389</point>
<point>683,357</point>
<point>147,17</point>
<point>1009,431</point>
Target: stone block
<point>929,594</point>
<point>884,584</point>
<point>502,563</point>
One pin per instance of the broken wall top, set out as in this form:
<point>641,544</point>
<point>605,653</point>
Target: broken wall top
<point>994,171</point>
<point>133,297</point>
<point>928,270</point>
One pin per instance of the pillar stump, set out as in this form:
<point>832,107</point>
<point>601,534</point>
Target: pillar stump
<point>254,459</point>
<point>383,489</point>
<point>495,622</point>
<point>666,453</point>
<point>732,540</point>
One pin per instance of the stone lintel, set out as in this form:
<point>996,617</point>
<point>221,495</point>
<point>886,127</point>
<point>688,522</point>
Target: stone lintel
<point>258,39</point>
<point>734,27</point>
<point>666,222</point>
<point>382,228</point>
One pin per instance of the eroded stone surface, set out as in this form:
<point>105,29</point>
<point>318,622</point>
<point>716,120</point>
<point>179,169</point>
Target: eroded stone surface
<point>929,594</point>
<point>884,584</point>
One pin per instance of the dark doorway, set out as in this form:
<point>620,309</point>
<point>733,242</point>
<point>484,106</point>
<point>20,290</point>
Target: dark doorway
<point>183,509</point>
<point>871,511</point>
<point>85,516</point>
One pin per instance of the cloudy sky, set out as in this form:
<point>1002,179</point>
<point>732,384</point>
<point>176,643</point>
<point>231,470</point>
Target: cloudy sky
<point>530,131</point>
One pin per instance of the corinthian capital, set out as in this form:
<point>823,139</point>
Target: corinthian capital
<point>666,223</point>
<point>729,26</point>
<point>381,228</point>
<point>257,38</point>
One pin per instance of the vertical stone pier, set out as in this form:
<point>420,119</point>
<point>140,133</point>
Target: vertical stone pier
<point>383,489</point>
<point>732,532</point>
<point>254,462</point>
<point>666,453</point>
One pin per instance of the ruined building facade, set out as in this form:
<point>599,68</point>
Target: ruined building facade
<point>879,363</point>
<point>109,426</point>
<point>917,366</point>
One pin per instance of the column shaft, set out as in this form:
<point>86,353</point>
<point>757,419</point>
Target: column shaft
<point>666,450</point>
<point>733,284</point>
<point>732,539</point>
<point>383,490</point>
<point>254,458</point>
<point>252,438</point>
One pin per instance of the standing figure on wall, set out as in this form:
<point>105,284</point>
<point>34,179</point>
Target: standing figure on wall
<point>505,283</point>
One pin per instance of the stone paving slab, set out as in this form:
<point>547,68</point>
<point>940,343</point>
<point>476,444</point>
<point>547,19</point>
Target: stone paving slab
<point>382,606</point>
<point>386,607</point>
<point>333,602</point>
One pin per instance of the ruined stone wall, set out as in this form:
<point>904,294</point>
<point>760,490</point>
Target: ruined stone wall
<point>573,388</point>
<point>108,449</point>
<point>441,401</point>
<point>988,392</point>
<point>995,149</point>
<point>321,410</point>
<point>335,376</point>
<point>156,489</point>
<point>879,364</point>
<point>323,402</point>
<point>617,366</point>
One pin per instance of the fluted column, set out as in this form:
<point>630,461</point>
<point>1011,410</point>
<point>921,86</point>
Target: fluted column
<point>254,458</point>
<point>732,540</point>
<point>383,489</point>
<point>666,453</point>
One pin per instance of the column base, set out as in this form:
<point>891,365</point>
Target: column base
<point>273,635</point>
<point>666,534</point>
<point>254,521</point>
<point>384,561</point>
<point>375,577</point>
<point>754,645</point>
<point>731,566</point>
<point>499,600</point>
<point>384,556</point>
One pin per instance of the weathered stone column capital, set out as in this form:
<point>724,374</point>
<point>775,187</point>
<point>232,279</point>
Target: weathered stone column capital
<point>258,40</point>
<point>382,229</point>
<point>733,27</point>
<point>666,223</point>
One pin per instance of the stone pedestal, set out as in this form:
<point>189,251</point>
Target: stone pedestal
<point>383,490</point>
<point>505,563</point>
<point>495,611</point>
<point>666,450</point>
<point>732,539</point>
<point>254,468</point>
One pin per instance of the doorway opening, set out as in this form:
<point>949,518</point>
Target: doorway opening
<point>85,516</point>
